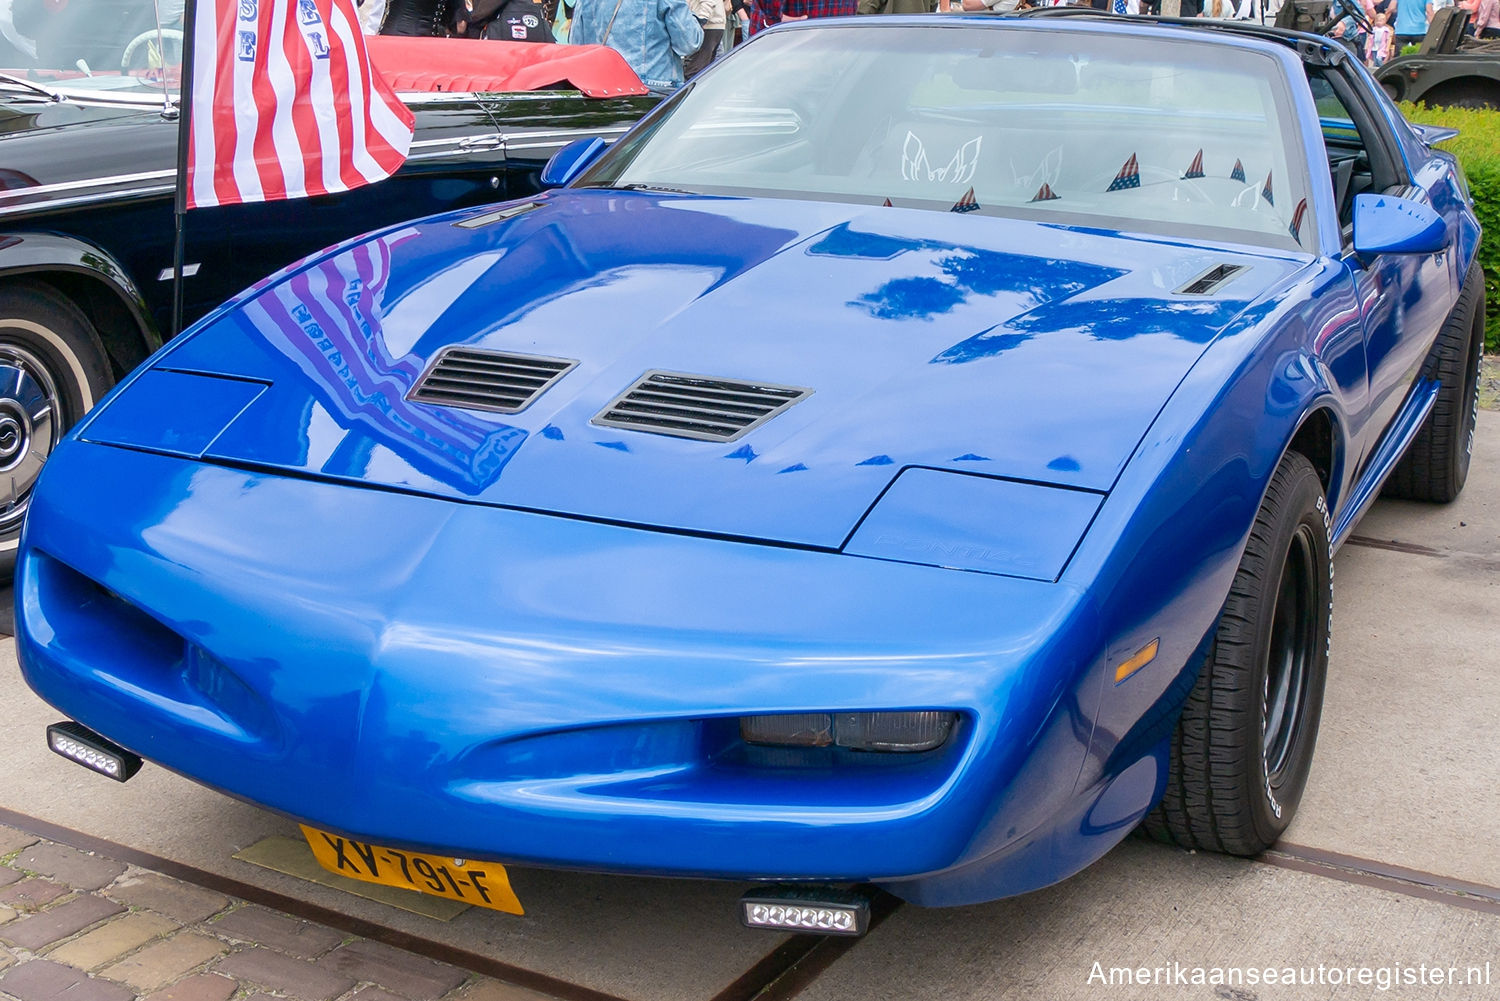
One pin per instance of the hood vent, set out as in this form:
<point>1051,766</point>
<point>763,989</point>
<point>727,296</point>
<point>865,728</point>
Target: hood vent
<point>1211,279</point>
<point>498,381</point>
<point>696,406</point>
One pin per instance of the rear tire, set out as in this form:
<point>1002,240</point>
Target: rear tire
<point>1244,744</point>
<point>1436,463</point>
<point>52,370</point>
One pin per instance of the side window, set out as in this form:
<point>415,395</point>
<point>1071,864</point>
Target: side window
<point>1359,159</point>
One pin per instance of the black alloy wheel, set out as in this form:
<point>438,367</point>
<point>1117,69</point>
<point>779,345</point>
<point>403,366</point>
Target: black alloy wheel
<point>1244,745</point>
<point>1289,663</point>
<point>52,370</point>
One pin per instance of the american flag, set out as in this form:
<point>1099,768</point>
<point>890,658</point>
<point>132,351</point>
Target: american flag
<point>968,203</point>
<point>285,104</point>
<point>1128,177</point>
<point>1296,227</point>
<point>1195,169</point>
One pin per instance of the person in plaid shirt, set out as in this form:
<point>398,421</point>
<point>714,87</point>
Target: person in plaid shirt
<point>769,12</point>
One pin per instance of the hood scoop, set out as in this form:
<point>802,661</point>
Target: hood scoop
<point>499,381</point>
<point>697,406</point>
<point>1211,280</point>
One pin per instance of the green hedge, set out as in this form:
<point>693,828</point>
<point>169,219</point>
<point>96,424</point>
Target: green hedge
<point>1478,150</point>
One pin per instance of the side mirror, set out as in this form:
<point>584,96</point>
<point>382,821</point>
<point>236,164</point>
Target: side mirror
<point>570,161</point>
<point>1431,135</point>
<point>1384,224</point>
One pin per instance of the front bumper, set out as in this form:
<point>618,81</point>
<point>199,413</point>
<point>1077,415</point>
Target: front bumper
<point>489,683</point>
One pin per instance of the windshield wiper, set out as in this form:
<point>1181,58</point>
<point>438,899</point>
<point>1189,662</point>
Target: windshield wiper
<point>14,81</point>
<point>637,186</point>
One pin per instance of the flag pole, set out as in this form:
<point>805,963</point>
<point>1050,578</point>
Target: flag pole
<point>184,119</point>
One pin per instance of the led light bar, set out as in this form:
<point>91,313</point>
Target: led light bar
<point>78,743</point>
<point>816,910</point>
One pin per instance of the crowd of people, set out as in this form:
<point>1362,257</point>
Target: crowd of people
<point>669,41</point>
<point>1390,25</point>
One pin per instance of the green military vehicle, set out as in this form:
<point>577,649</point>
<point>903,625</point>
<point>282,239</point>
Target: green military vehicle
<point>1450,69</point>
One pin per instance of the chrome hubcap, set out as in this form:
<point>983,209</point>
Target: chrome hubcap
<point>14,434</point>
<point>28,429</point>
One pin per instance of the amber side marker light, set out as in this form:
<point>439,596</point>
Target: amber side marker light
<point>1142,657</point>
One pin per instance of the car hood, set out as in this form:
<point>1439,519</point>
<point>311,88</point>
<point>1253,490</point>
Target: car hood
<point>972,343</point>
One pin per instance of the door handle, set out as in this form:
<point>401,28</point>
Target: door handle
<point>478,144</point>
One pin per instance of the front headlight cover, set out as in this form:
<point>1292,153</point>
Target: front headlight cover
<point>170,412</point>
<point>985,524</point>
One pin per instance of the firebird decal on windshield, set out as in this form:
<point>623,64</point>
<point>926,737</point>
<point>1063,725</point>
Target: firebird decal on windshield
<point>959,170</point>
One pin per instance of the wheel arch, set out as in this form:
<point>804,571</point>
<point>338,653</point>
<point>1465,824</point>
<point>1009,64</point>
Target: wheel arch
<point>1441,86</point>
<point>93,281</point>
<point>1318,440</point>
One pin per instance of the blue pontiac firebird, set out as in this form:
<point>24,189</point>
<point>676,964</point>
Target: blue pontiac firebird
<point>912,455</point>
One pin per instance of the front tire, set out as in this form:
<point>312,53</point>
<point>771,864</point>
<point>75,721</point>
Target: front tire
<point>52,370</point>
<point>1436,463</point>
<point>1244,744</point>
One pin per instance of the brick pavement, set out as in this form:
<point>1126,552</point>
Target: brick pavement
<point>81,927</point>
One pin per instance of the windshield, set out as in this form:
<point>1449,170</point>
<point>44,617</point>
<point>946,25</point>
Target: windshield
<point>1161,135</point>
<point>95,47</point>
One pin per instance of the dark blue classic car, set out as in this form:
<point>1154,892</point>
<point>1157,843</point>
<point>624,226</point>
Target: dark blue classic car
<point>913,454</point>
<point>87,164</point>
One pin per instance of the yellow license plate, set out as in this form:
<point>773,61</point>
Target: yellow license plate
<point>483,884</point>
